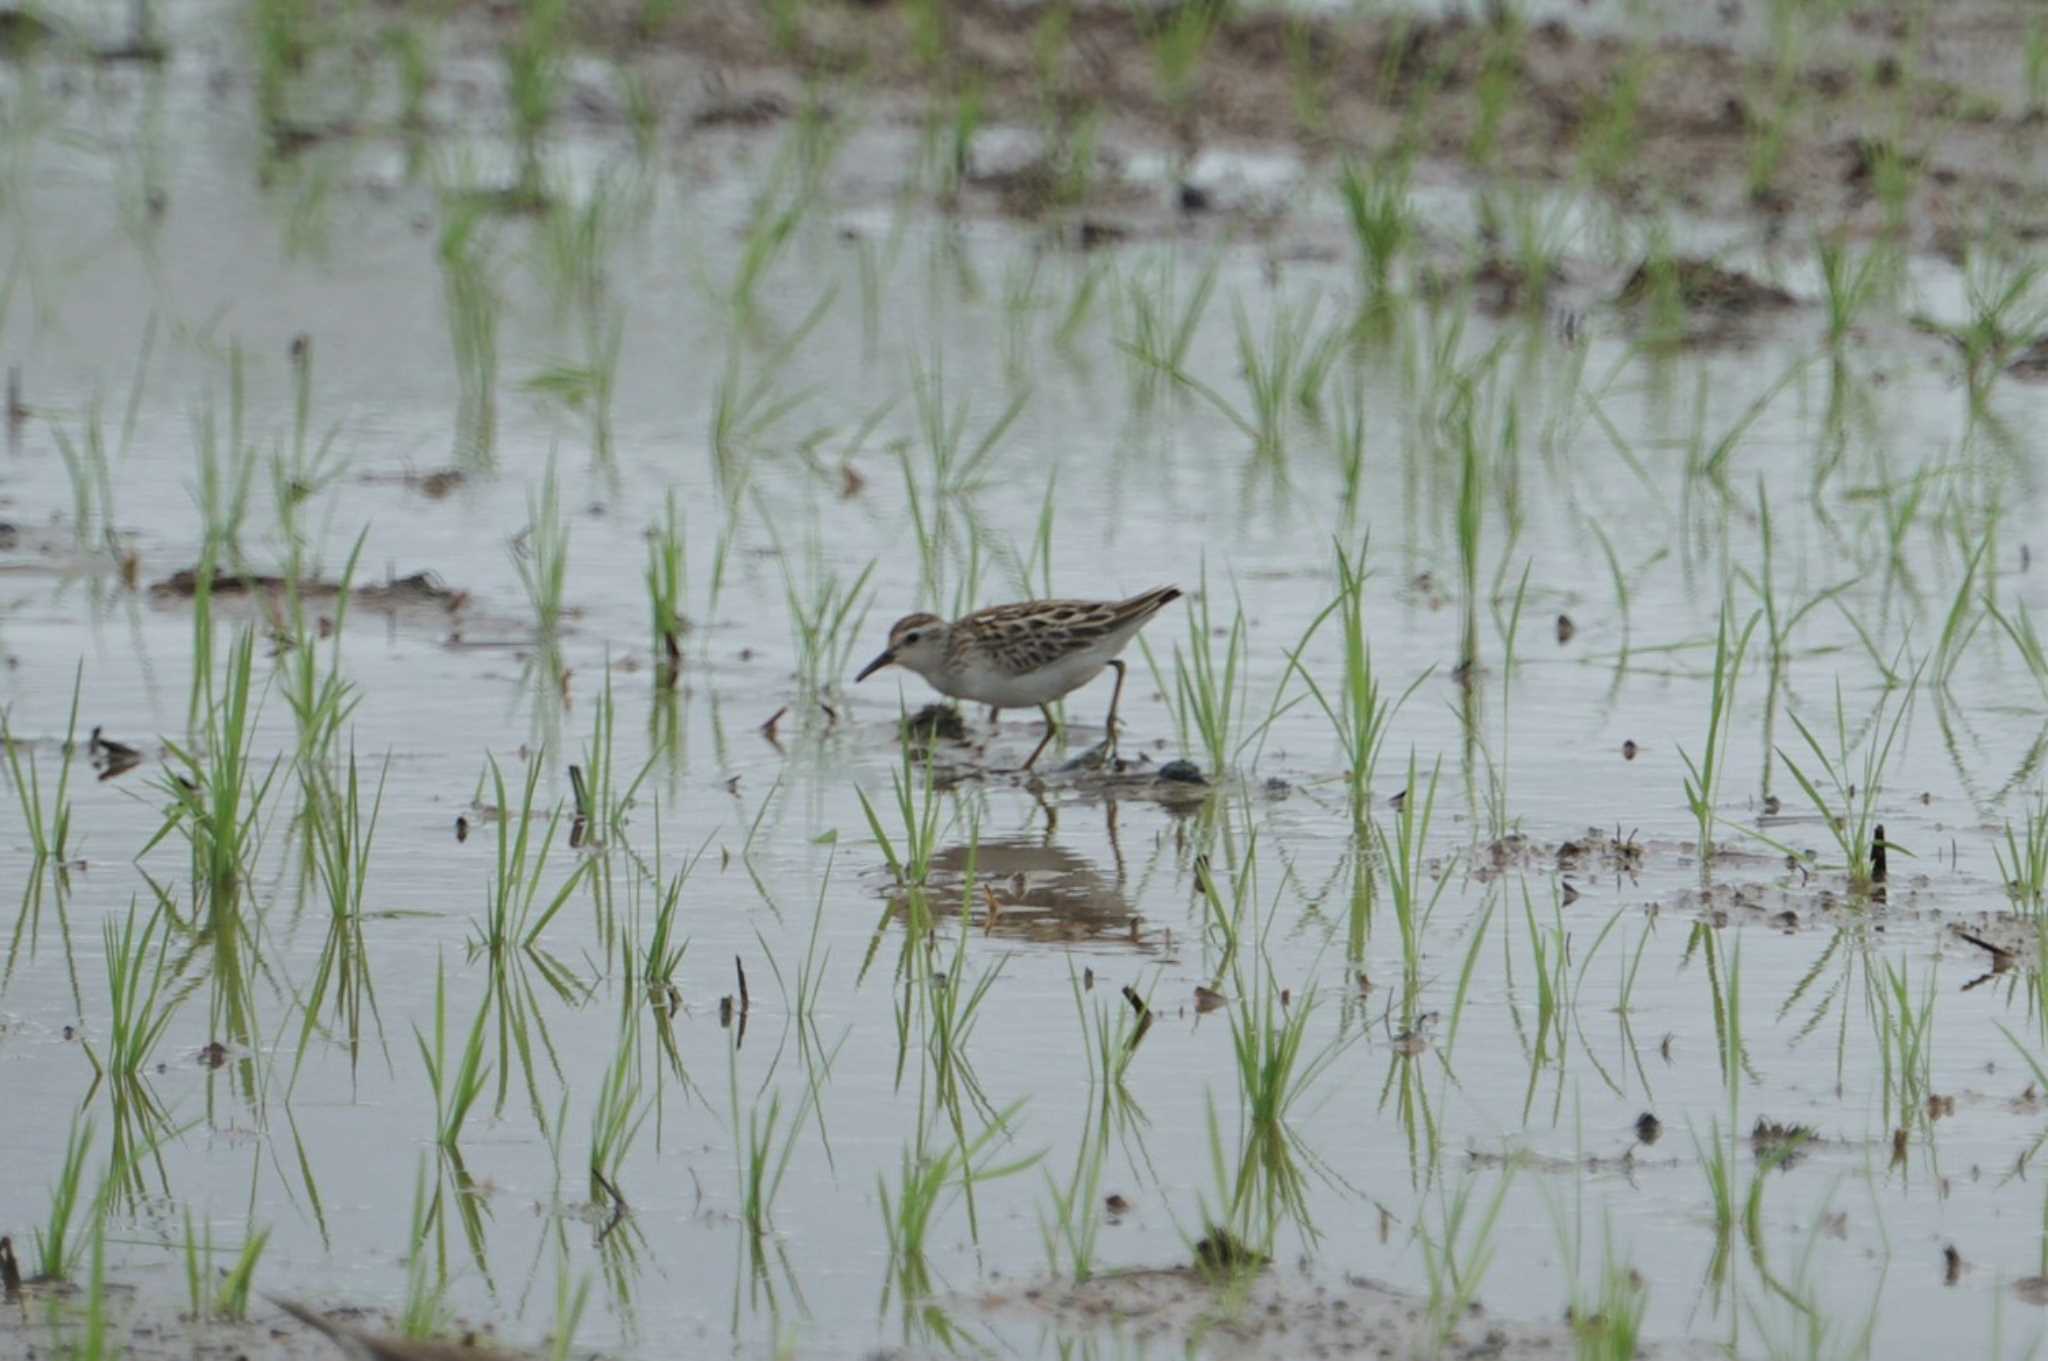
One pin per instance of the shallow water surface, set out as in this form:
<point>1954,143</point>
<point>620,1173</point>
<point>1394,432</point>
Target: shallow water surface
<point>1518,1024</point>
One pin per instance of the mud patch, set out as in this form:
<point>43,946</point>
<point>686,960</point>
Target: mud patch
<point>1272,1315</point>
<point>420,592</point>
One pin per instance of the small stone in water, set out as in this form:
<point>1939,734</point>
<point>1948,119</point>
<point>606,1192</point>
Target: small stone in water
<point>1182,772</point>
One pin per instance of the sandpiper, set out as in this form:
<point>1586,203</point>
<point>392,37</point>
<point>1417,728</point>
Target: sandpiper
<point>1015,656</point>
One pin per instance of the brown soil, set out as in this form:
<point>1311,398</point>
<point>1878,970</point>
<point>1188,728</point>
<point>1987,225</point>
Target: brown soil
<point>421,589</point>
<point>1362,86</point>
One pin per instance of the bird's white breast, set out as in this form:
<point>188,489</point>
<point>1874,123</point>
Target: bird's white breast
<point>984,683</point>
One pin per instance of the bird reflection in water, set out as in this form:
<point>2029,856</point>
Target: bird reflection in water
<point>1028,889</point>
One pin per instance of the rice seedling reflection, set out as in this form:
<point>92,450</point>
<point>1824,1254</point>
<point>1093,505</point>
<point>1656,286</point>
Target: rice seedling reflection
<point>342,834</point>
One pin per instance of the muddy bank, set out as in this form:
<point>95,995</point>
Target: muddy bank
<point>1859,135</point>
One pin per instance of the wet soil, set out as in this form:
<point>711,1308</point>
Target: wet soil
<point>1682,116</point>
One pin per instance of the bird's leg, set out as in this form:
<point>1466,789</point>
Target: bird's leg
<point>1043,742</point>
<point>1115,696</point>
<point>995,717</point>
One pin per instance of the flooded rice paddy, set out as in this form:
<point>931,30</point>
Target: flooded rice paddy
<point>1570,871</point>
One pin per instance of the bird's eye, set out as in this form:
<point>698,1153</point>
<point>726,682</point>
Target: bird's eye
<point>910,637</point>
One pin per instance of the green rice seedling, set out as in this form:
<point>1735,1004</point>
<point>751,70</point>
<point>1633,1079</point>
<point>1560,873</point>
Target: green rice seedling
<point>1610,1327</point>
<point>95,1341</point>
<point>1348,438</point>
<point>1210,690</point>
<point>1607,1324</point>
<point>2018,624</point>
<point>1469,523</point>
<point>514,916</point>
<point>284,31</point>
<point>1376,205</point>
<point>1610,138</point>
<point>747,408</point>
<point>825,616</point>
<point>1852,818</point>
<point>952,470</point>
<point>541,556</point>
<point>600,805</point>
<point>226,469</point>
<point>2001,288</point>
<point>666,947</point>
<point>1703,777</point>
<point>2023,865</point>
<point>321,700</point>
<point>1356,707</point>
<point>926,1176</point>
<point>1549,960</point>
<point>1905,1029</point>
<point>667,585</point>
<point>952,1004</point>
<point>232,1301</point>
<point>917,812</point>
<point>1275,1070</point>
<point>761,1149</point>
<point>1154,333</point>
<point>342,833</point>
<point>302,467</point>
<point>619,1112</point>
<point>1959,625</point>
<point>1080,306</point>
<point>1271,375</point>
<point>1499,77</point>
<point>216,794</point>
<point>198,1268</point>
<point>56,1253</point>
<point>570,1301</point>
<point>586,386</point>
<point>138,1009</point>
<point>49,828</point>
<point>1404,854</point>
<point>474,305</point>
<point>1850,284</point>
<point>1113,1032</point>
<point>412,56</point>
<point>1768,132</point>
<point>424,1312</point>
<point>92,485</point>
<point>533,72</point>
<point>1457,1256</point>
<point>1023,302</point>
<point>1070,1232</point>
<point>456,1087</point>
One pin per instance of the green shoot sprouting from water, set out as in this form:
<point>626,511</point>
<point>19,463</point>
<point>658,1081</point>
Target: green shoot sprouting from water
<point>1703,777</point>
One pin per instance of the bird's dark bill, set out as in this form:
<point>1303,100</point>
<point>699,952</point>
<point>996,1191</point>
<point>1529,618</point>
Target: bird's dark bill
<point>876,665</point>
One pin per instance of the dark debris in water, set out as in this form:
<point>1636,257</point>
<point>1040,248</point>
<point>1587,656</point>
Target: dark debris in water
<point>1182,772</point>
<point>1780,1145</point>
<point>935,722</point>
<point>1703,285</point>
<point>417,589</point>
<point>1222,1250</point>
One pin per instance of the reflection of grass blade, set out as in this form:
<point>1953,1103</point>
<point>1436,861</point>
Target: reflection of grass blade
<point>341,838</point>
<point>49,829</point>
<point>456,1089</point>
